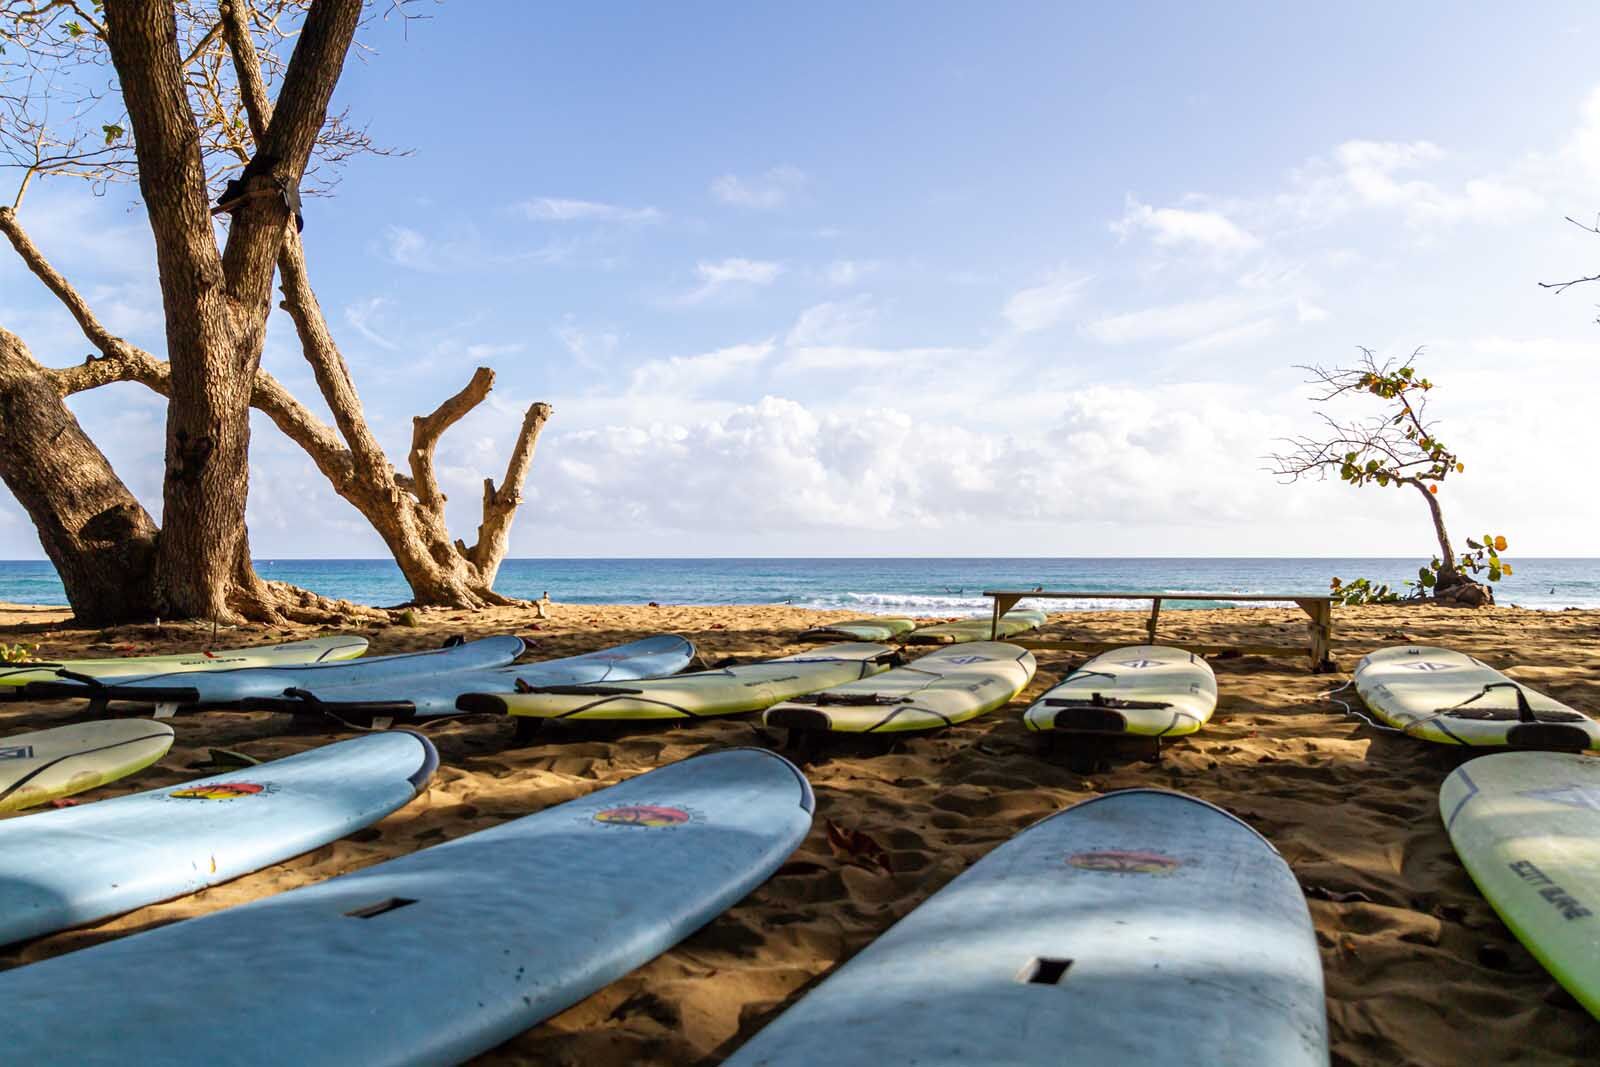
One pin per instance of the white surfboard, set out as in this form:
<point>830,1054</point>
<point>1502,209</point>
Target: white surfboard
<point>79,865</point>
<point>43,765</point>
<point>1138,929</point>
<point>434,957</point>
<point>1141,690</point>
<point>312,650</point>
<point>1438,694</point>
<point>940,689</point>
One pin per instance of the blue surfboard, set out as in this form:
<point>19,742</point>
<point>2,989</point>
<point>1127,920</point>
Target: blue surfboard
<point>436,956</point>
<point>79,865</point>
<point>415,698</point>
<point>1142,928</point>
<point>228,688</point>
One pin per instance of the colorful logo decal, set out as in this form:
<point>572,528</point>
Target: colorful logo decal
<point>218,791</point>
<point>1139,664</point>
<point>643,815</point>
<point>1425,665</point>
<point>16,752</point>
<point>1125,861</point>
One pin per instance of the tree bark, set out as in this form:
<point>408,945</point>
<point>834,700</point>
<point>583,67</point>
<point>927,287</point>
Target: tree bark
<point>216,302</point>
<point>100,539</point>
<point>1447,555</point>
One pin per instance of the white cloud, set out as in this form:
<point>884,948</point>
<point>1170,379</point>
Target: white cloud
<point>1110,454</point>
<point>1376,175</point>
<point>832,322</point>
<point>1043,305</point>
<point>691,375</point>
<point>483,351</point>
<point>842,272</point>
<point>1170,226</point>
<point>766,191</point>
<point>590,348</point>
<point>406,247</point>
<point>554,209</point>
<point>363,316</point>
<point>1188,321</point>
<point>735,271</point>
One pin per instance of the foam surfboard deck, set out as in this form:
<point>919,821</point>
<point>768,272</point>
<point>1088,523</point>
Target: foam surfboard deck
<point>729,691</point>
<point>503,928</point>
<point>1527,828</point>
<point>80,865</point>
<point>315,650</point>
<point>1138,928</point>
<point>1013,622</point>
<point>43,765</point>
<point>1141,690</point>
<point>942,688</point>
<point>1441,695</point>
<point>415,698</point>
<point>228,688</point>
<point>874,629</point>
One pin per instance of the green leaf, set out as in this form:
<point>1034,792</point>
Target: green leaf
<point>113,132</point>
<point>1494,572</point>
<point>73,29</point>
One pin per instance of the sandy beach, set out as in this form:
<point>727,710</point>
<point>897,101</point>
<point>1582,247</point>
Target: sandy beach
<point>1418,968</point>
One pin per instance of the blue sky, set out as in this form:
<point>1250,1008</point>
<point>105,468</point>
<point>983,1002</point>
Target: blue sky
<point>872,279</point>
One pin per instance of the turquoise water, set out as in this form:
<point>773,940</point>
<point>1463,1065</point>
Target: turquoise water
<point>917,586</point>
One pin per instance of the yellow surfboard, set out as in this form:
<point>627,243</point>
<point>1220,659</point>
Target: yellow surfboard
<point>729,691</point>
<point>1527,827</point>
<point>1016,621</point>
<point>314,650</point>
<point>46,764</point>
<point>942,688</point>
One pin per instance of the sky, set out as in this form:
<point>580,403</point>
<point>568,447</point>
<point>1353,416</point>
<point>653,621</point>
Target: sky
<point>910,279</point>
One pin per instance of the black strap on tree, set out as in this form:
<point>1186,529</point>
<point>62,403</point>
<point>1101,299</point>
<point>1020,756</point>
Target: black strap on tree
<point>236,192</point>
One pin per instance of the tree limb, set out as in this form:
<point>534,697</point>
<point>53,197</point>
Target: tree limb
<point>500,505</point>
<point>102,338</point>
<point>427,429</point>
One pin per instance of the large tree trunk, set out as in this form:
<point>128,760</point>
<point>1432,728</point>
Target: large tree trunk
<point>216,302</point>
<point>99,537</point>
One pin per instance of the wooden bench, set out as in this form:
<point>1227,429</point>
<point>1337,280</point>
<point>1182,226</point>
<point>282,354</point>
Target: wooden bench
<point>1318,607</point>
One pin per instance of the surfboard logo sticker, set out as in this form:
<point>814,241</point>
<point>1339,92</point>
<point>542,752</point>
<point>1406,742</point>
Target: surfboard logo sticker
<point>964,660</point>
<point>1139,664</point>
<point>219,791</point>
<point>1125,861</point>
<point>652,815</point>
<point>16,752</point>
<point>1427,665</point>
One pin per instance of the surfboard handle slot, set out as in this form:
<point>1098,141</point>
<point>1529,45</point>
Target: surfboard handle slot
<point>849,699</point>
<point>1044,970</point>
<point>1097,700</point>
<point>577,690</point>
<point>372,911</point>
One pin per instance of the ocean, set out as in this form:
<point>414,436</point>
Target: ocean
<point>875,586</point>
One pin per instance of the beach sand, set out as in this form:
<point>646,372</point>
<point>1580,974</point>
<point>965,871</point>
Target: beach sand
<point>1418,968</point>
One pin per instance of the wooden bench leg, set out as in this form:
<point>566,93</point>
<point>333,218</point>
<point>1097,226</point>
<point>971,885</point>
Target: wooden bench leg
<point>1321,631</point>
<point>1002,604</point>
<point>1150,626</point>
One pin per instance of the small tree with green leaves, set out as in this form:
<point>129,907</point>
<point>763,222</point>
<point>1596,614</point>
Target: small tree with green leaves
<point>1397,446</point>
